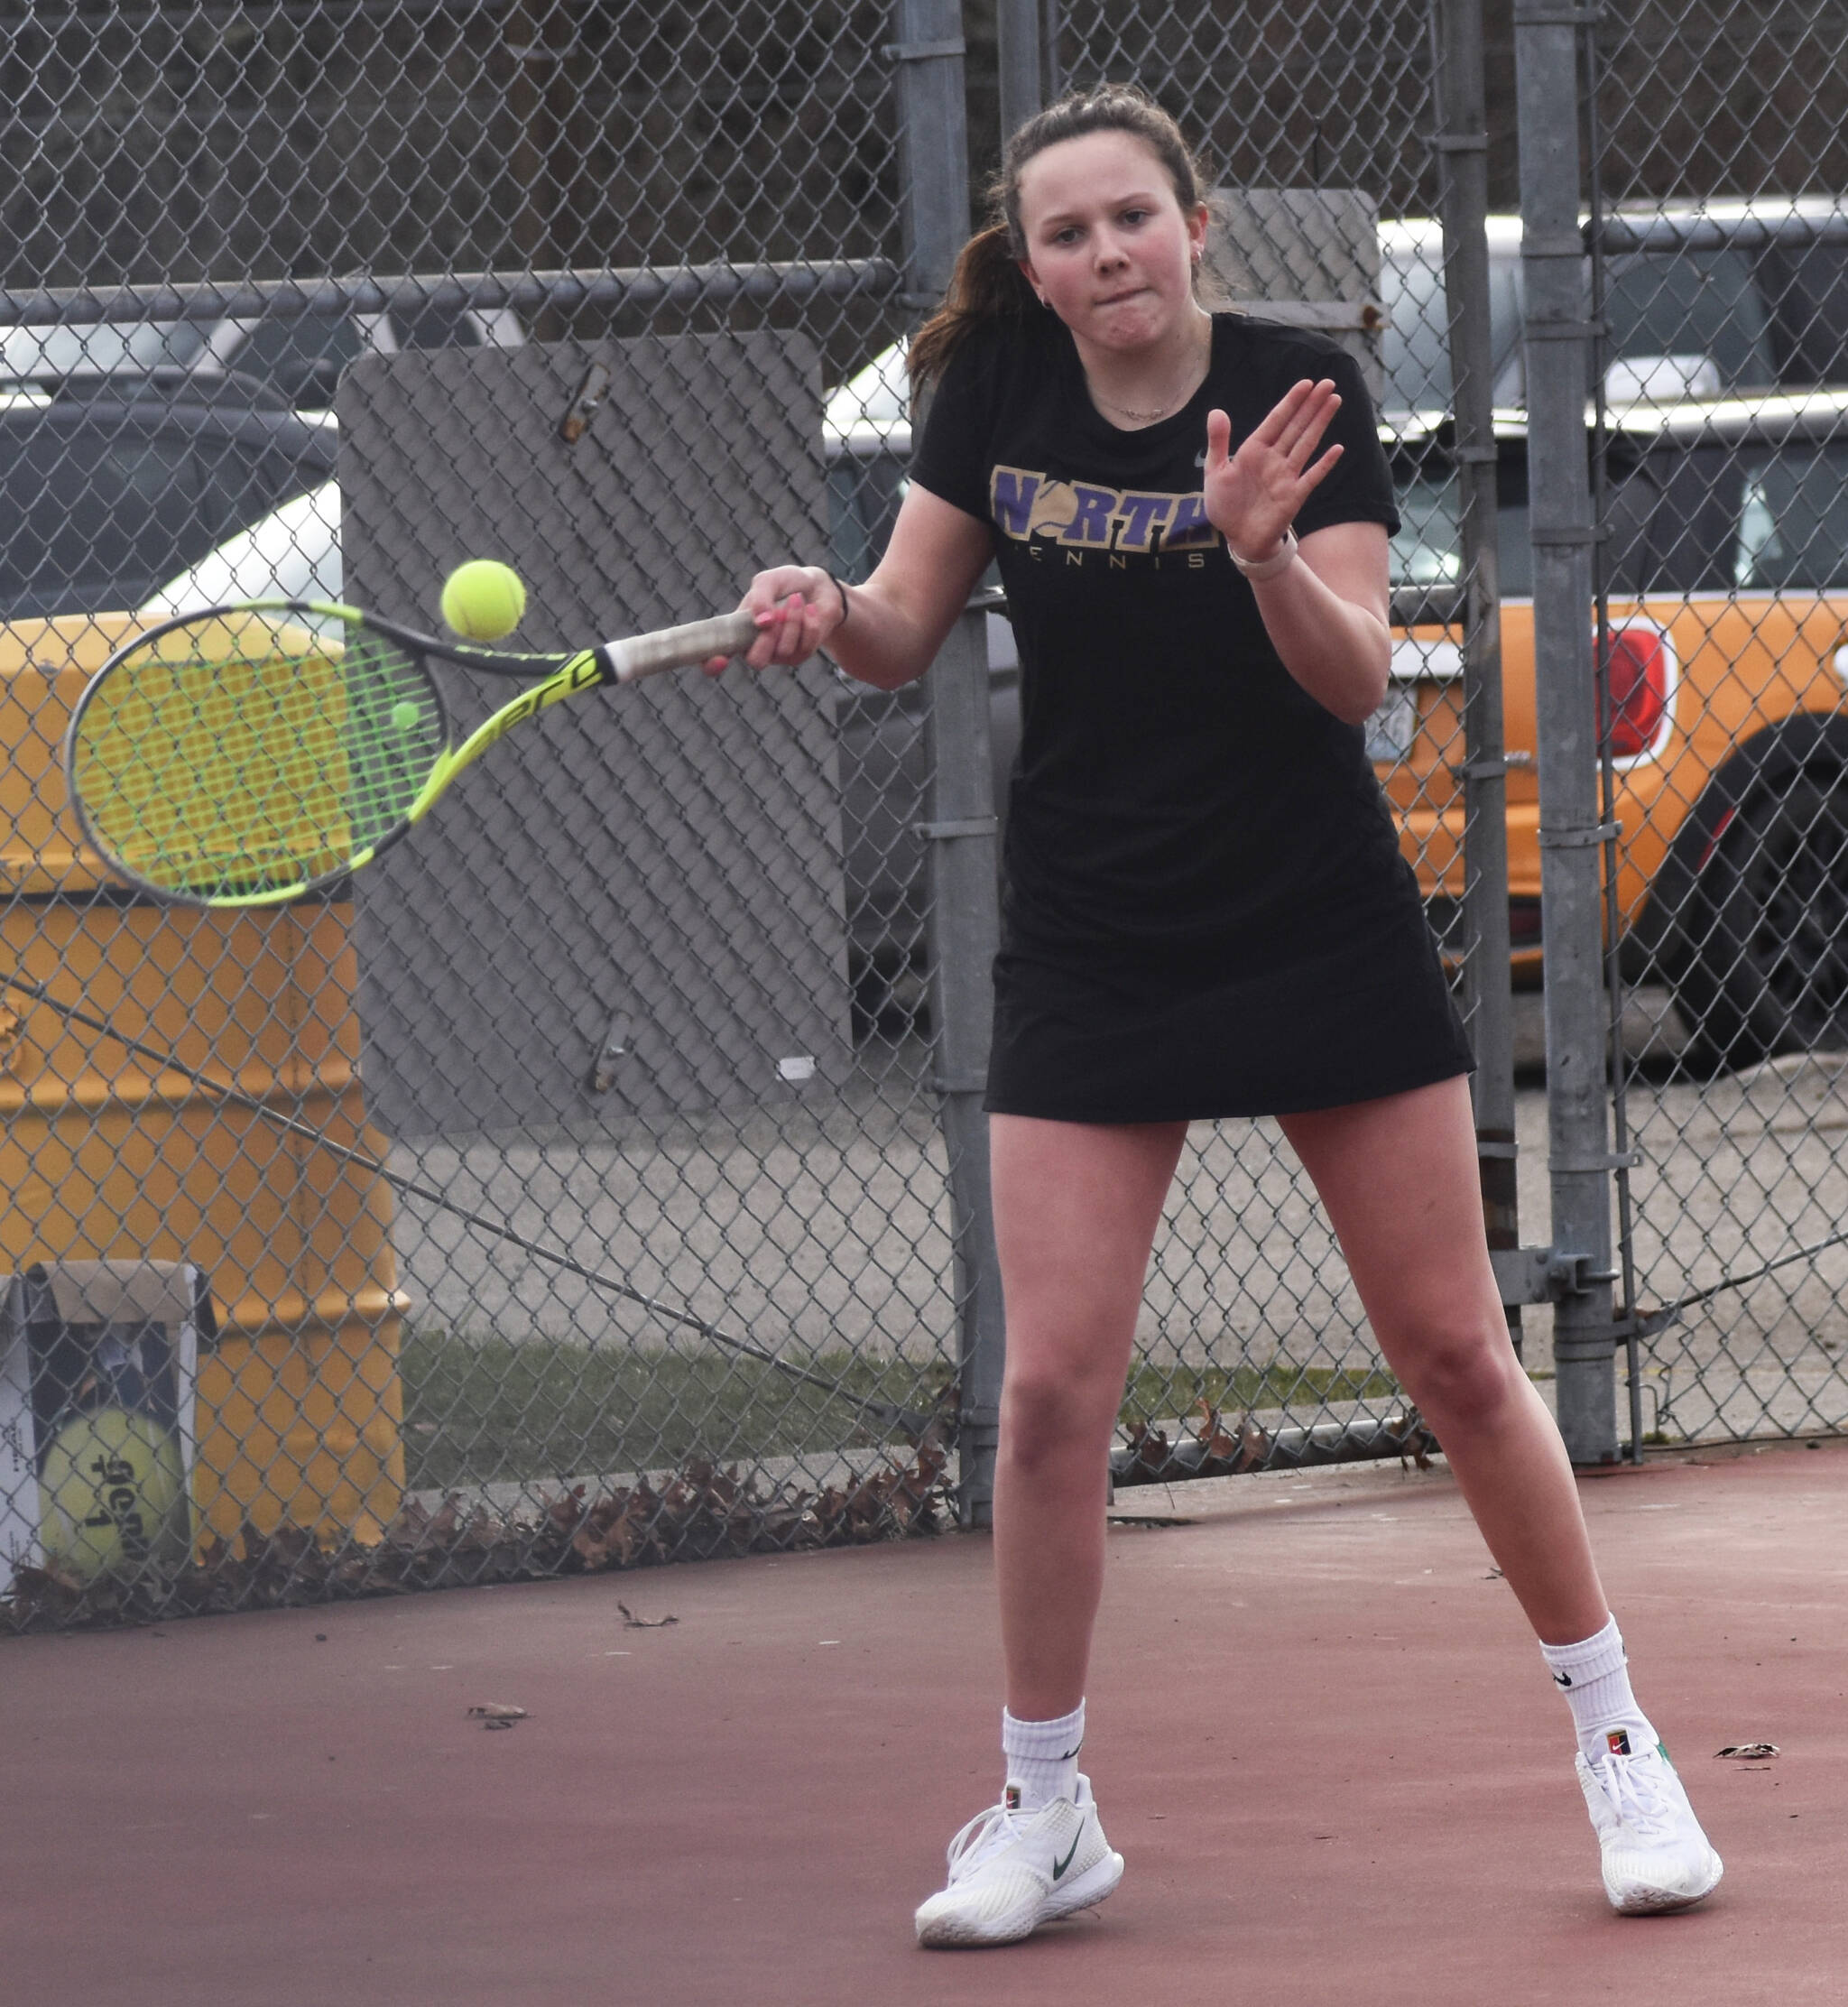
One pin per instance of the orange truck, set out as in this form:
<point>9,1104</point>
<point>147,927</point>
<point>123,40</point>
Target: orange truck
<point>1727,593</point>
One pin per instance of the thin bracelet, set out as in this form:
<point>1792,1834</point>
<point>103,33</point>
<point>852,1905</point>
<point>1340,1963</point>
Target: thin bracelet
<point>839,588</point>
<point>1265,567</point>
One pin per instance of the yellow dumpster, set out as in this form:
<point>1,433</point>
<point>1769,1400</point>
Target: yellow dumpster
<point>180,1085</point>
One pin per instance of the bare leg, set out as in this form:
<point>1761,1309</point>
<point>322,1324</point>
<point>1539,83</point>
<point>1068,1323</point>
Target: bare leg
<point>1399,1179</point>
<point>1076,1209</point>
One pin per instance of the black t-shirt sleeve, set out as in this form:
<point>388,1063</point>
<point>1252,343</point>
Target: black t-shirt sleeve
<point>1360,489</point>
<point>951,458</point>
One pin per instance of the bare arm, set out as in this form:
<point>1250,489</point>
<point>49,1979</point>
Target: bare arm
<point>1329,612</point>
<point>1328,617</point>
<point>887,631</point>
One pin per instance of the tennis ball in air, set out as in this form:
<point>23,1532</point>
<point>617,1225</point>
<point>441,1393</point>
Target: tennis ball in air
<point>404,714</point>
<point>112,1495</point>
<point>484,599</point>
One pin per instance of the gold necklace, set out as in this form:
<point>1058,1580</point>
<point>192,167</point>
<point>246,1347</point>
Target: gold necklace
<point>1143,418</point>
<point>1148,418</point>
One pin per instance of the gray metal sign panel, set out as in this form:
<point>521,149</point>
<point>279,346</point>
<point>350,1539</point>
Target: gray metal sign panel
<point>633,905</point>
<point>1307,257</point>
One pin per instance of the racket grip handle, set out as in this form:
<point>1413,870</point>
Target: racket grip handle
<point>679,647</point>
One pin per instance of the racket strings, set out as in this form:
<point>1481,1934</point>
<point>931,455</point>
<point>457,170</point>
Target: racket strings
<point>227,760</point>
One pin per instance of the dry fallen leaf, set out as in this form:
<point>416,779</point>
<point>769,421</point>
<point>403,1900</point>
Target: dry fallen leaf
<point>1749,1752</point>
<point>496,1713</point>
<point>701,1512</point>
<point>630,1622</point>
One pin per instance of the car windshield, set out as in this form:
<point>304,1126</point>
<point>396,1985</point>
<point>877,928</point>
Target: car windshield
<point>1697,316</point>
<point>301,355</point>
<point>1807,289</point>
<point>1760,519</point>
<point>104,346</point>
<point>95,516</point>
<point>1682,322</point>
<point>1427,552</point>
<point>1789,509</point>
<point>1415,350</point>
<point>292,554</point>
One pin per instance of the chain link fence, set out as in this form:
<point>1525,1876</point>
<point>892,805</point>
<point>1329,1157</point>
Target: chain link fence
<point>1720,270</point>
<point>571,1189</point>
<point>1316,127</point>
<point>599,1179</point>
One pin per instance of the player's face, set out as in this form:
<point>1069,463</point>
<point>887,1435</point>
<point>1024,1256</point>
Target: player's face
<point>1109,248</point>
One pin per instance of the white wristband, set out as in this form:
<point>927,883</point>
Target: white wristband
<point>1266,568</point>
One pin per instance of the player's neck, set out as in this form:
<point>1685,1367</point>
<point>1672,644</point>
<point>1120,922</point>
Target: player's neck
<point>1147,384</point>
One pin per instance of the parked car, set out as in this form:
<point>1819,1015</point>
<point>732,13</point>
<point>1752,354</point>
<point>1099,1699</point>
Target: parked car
<point>108,485</point>
<point>1728,558</point>
<point>301,355</point>
<point>1734,298</point>
<point>294,552</point>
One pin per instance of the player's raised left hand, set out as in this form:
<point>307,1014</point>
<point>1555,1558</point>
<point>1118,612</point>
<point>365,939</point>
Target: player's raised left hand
<point>1252,496</point>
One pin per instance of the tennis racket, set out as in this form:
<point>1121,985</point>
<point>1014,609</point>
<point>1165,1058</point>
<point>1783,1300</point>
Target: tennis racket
<point>251,754</point>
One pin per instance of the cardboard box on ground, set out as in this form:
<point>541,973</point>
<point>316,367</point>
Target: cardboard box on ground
<point>98,1368</point>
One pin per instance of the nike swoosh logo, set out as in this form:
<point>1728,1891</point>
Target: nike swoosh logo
<point>1058,1867</point>
<point>1562,1678</point>
<point>1200,457</point>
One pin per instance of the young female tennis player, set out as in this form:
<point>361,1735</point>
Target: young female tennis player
<point>1206,914</point>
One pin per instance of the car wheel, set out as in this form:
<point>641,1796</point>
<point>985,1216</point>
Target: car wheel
<point>1767,969</point>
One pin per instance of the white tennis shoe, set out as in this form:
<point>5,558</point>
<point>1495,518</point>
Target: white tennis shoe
<point>1655,1856</point>
<point>1012,1870</point>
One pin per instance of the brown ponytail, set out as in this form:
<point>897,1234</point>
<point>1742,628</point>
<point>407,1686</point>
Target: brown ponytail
<point>988,287</point>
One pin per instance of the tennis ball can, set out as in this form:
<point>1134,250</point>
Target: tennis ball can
<point>112,1496</point>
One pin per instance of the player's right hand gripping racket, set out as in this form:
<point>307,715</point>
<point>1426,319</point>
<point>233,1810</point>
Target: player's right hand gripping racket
<point>250,754</point>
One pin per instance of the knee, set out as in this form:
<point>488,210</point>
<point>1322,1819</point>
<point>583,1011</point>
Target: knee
<point>1050,1419</point>
<point>1464,1378</point>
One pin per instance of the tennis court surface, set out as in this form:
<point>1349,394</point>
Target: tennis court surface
<point>1320,1735</point>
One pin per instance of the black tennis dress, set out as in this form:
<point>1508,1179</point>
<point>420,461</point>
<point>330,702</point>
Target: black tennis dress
<point>1205,910</point>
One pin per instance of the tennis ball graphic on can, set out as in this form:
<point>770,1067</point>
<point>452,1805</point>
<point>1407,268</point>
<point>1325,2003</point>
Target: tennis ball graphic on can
<point>484,599</point>
<point>112,1495</point>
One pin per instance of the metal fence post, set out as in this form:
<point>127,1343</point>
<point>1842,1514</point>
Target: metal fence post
<point>964,921</point>
<point>933,158</point>
<point>1020,34</point>
<point>1463,171</point>
<point>964,928</point>
<point>1558,333</point>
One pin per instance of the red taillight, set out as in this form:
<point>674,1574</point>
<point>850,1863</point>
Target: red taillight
<point>1642,684</point>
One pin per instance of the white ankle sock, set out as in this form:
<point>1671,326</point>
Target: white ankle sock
<point>1042,1757</point>
<point>1593,1675</point>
